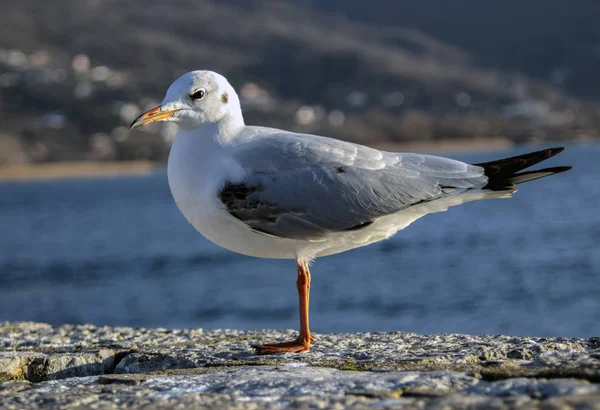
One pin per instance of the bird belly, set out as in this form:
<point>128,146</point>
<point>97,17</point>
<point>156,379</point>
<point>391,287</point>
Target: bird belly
<point>219,227</point>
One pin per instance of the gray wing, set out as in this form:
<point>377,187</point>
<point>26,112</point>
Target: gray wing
<point>306,187</point>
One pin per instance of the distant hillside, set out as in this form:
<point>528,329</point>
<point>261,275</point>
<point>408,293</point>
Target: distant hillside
<point>553,41</point>
<point>73,73</point>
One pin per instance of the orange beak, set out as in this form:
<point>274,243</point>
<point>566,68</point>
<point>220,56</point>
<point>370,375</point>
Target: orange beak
<point>155,114</point>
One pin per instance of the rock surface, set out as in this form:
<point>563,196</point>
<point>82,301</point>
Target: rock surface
<point>112,367</point>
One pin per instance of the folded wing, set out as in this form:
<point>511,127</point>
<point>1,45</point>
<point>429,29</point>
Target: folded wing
<point>307,187</point>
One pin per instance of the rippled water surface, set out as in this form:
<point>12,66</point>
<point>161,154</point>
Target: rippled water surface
<point>118,252</point>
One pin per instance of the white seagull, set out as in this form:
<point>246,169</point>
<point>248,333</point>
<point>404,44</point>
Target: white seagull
<point>270,193</point>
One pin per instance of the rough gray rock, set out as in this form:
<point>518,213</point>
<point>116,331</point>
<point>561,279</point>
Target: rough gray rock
<point>36,366</point>
<point>43,365</point>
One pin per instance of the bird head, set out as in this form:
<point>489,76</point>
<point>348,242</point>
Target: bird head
<point>194,99</point>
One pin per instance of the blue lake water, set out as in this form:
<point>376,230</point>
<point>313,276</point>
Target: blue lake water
<point>117,251</point>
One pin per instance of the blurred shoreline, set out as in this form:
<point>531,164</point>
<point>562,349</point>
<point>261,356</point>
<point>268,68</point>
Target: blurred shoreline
<point>75,169</point>
<point>89,168</point>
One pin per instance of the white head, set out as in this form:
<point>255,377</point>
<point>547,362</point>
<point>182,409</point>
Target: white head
<point>194,99</point>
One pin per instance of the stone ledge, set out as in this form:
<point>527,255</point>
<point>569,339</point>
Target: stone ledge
<point>125,368</point>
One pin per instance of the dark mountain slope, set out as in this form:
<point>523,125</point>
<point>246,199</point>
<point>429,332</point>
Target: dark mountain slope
<point>297,68</point>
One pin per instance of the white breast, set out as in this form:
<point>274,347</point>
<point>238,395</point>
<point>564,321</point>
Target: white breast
<point>198,168</point>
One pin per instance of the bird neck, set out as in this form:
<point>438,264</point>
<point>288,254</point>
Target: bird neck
<point>223,131</point>
<point>228,128</point>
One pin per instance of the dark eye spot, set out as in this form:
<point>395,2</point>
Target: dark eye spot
<point>225,97</point>
<point>198,95</point>
<point>340,170</point>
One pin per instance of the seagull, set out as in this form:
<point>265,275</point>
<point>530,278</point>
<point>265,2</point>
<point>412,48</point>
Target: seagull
<point>270,193</point>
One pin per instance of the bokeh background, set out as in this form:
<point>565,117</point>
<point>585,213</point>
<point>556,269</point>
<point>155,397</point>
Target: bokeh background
<point>483,79</point>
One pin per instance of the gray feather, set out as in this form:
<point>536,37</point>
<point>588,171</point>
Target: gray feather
<point>306,187</point>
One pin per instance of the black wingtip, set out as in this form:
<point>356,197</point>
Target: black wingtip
<point>505,173</point>
<point>555,151</point>
<point>557,170</point>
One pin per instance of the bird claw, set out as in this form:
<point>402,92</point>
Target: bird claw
<point>295,346</point>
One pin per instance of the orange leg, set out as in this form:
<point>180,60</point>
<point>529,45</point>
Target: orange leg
<point>302,343</point>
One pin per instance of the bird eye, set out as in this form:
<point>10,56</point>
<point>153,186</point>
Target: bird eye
<point>198,95</point>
